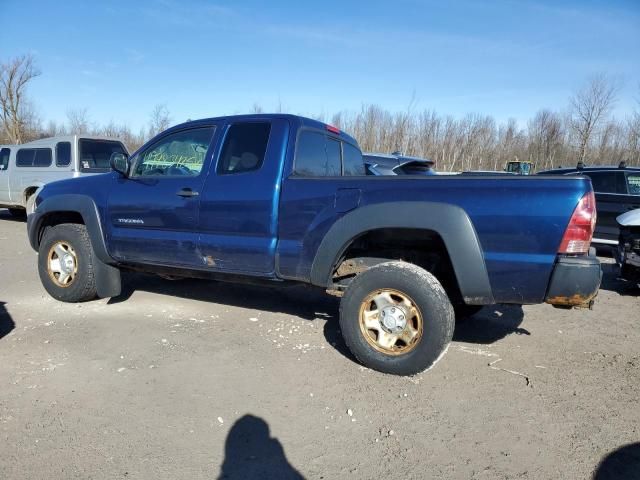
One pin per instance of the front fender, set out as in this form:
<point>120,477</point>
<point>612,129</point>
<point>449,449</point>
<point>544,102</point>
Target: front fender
<point>449,221</point>
<point>70,203</point>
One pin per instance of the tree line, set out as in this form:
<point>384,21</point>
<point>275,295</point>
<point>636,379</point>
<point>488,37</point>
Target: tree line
<point>584,130</point>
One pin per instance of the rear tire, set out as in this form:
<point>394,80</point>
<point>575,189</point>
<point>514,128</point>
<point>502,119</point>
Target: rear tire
<point>396,318</point>
<point>66,263</point>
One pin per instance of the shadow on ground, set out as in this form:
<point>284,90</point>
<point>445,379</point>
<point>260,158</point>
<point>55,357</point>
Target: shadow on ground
<point>611,281</point>
<point>304,302</point>
<point>251,453</point>
<point>622,463</point>
<point>6,322</point>
<point>6,216</point>
<point>491,324</point>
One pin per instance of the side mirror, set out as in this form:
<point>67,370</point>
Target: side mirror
<point>119,162</point>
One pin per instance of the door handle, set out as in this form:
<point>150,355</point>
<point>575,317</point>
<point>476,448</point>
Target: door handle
<point>187,192</point>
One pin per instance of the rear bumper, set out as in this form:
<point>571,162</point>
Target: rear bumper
<point>574,282</point>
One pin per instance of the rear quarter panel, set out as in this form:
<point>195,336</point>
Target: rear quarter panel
<point>519,221</point>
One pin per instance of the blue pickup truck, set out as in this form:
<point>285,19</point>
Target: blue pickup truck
<point>281,198</point>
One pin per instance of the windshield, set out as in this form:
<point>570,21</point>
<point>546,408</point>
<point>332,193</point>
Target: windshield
<point>95,154</point>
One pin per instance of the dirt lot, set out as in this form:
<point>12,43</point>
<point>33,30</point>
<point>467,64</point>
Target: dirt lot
<point>194,379</point>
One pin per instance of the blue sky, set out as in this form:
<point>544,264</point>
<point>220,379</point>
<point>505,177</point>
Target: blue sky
<point>506,58</point>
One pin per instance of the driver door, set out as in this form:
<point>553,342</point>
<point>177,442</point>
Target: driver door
<point>153,214</point>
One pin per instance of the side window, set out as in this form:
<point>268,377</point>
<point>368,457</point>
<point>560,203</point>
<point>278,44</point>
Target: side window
<point>4,159</point>
<point>352,160</point>
<point>603,182</point>
<point>244,147</point>
<point>24,157</point>
<point>317,155</point>
<point>63,154</point>
<point>633,184</point>
<point>177,154</point>
<point>42,158</point>
<point>33,157</point>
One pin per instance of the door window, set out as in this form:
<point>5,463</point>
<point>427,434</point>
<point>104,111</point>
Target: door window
<point>177,154</point>
<point>244,147</point>
<point>4,159</point>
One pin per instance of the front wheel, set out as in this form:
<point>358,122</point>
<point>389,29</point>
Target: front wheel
<point>66,263</point>
<point>396,318</point>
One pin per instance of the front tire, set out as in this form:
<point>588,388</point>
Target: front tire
<point>66,263</point>
<point>396,318</point>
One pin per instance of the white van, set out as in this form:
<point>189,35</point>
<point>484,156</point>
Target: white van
<point>27,167</point>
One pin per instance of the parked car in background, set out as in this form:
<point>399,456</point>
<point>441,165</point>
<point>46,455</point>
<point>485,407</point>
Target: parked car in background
<point>617,191</point>
<point>26,168</point>
<point>520,167</point>
<point>629,245</point>
<point>397,164</point>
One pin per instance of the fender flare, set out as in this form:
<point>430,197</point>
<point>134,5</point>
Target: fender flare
<point>449,221</point>
<point>108,281</point>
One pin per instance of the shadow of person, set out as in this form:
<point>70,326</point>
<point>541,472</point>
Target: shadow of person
<point>622,463</point>
<point>250,453</point>
<point>6,322</point>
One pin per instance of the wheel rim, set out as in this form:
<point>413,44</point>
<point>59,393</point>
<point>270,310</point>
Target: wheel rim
<point>62,264</point>
<point>391,322</point>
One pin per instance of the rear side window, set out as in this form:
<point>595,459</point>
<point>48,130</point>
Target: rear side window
<point>317,155</point>
<point>34,157</point>
<point>633,183</point>
<point>352,159</point>
<point>4,158</point>
<point>63,154</point>
<point>244,147</point>
<point>95,154</point>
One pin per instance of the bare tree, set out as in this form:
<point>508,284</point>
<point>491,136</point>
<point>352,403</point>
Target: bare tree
<point>14,77</point>
<point>159,119</point>
<point>78,119</point>
<point>590,107</point>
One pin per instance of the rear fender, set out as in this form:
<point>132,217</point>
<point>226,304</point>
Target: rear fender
<point>449,221</point>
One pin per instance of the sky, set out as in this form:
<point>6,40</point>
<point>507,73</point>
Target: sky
<point>505,58</point>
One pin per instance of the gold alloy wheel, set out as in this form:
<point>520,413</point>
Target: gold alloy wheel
<point>62,264</point>
<point>391,322</point>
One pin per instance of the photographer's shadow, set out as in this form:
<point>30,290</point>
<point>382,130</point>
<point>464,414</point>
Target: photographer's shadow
<point>251,453</point>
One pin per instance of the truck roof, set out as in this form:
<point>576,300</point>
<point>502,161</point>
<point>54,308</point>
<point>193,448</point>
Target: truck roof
<point>300,120</point>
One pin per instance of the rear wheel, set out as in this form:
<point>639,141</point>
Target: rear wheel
<point>396,318</point>
<point>66,263</point>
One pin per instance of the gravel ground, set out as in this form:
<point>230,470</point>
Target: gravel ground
<point>193,379</point>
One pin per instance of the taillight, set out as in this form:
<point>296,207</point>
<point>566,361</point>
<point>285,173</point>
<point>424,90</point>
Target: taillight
<point>577,236</point>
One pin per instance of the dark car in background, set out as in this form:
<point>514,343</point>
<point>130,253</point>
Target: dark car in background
<point>617,191</point>
<point>397,164</point>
